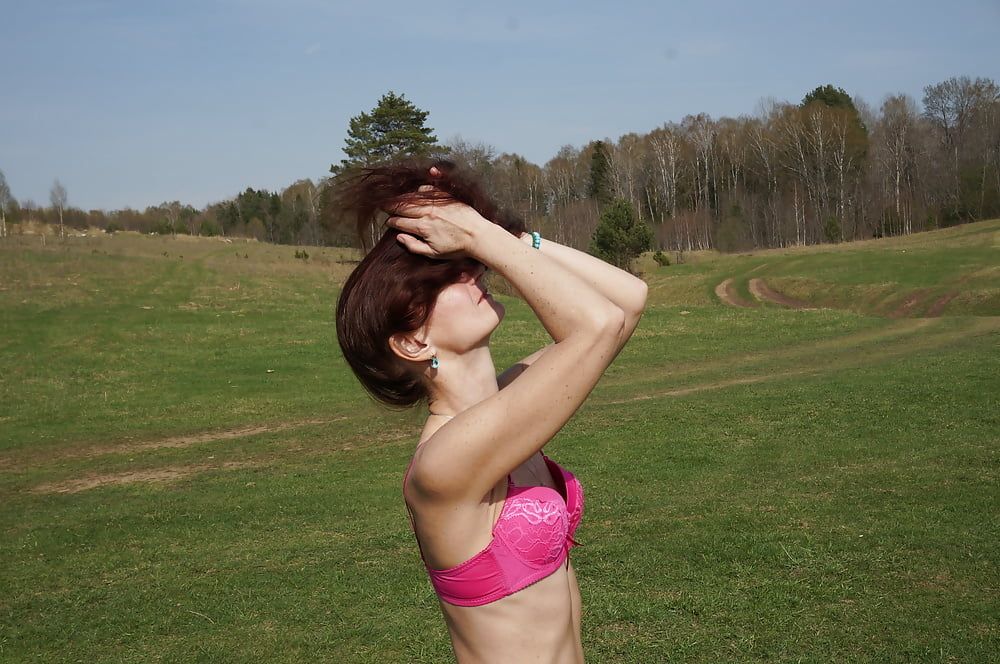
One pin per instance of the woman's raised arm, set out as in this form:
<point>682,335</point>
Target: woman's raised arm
<point>473,451</point>
<point>626,290</point>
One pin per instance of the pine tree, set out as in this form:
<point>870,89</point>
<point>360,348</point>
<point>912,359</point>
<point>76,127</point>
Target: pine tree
<point>599,185</point>
<point>620,235</point>
<point>394,128</point>
<point>832,97</point>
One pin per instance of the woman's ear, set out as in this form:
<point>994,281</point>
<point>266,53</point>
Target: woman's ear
<point>408,346</point>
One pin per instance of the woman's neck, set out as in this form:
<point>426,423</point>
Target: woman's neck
<point>462,381</point>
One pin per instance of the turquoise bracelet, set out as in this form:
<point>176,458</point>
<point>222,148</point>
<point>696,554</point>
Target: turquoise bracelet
<point>536,239</point>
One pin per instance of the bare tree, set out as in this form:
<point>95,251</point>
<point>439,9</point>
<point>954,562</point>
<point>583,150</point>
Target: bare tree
<point>895,145</point>
<point>796,159</point>
<point>765,166</point>
<point>821,151</point>
<point>476,156</point>
<point>172,211</point>
<point>57,196</point>
<point>5,201</point>
<point>519,185</point>
<point>959,109</point>
<point>843,164</point>
<point>626,160</point>
<point>564,180</point>
<point>699,139</point>
<point>668,168</point>
<point>301,200</point>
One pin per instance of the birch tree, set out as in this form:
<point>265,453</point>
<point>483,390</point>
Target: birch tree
<point>57,196</point>
<point>896,145</point>
<point>519,185</point>
<point>5,203</point>
<point>626,161</point>
<point>665,147</point>
<point>765,166</point>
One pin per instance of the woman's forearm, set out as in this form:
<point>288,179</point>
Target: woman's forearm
<point>622,288</point>
<point>567,305</point>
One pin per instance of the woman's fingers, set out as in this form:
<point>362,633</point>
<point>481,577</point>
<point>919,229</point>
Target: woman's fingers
<point>404,224</point>
<point>413,244</point>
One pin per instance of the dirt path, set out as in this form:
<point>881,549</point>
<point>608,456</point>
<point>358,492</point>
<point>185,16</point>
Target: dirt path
<point>727,294</point>
<point>715,385</point>
<point>166,474</point>
<point>206,437</point>
<point>762,292</point>
<point>169,473</point>
<point>853,342</point>
<point>845,361</point>
<point>71,451</point>
<point>911,301</point>
<point>940,304</point>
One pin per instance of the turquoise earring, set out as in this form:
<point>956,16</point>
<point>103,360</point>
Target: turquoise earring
<point>434,362</point>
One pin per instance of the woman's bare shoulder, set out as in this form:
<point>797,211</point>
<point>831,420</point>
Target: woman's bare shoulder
<point>431,426</point>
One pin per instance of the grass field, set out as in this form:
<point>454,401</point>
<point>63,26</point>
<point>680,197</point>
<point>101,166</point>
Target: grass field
<point>189,473</point>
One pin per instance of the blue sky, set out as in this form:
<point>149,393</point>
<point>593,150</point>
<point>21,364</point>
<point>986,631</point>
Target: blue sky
<point>131,103</point>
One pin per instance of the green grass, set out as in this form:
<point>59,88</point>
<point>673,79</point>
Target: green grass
<point>868,277</point>
<point>762,484</point>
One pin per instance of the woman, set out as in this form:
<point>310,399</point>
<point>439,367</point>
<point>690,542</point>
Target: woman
<point>493,516</point>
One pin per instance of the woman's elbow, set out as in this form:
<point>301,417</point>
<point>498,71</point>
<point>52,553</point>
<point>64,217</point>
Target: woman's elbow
<point>604,322</point>
<point>637,299</point>
<point>635,308</point>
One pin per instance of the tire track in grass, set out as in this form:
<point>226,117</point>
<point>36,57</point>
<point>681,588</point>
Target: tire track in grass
<point>903,328</point>
<point>909,303</point>
<point>727,294</point>
<point>941,303</point>
<point>847,360</point>
<point>206,437</point>
<point>165,474</point>
<point>169,473</point>
<point>184,440</point>
<point>764,293</point>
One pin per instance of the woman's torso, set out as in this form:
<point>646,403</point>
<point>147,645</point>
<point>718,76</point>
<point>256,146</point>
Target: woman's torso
<point>537,623</point>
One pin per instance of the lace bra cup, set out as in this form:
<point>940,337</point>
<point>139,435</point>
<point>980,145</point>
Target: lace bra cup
<point>531,539</point>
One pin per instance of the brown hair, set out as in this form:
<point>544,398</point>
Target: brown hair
<point>393,290</point>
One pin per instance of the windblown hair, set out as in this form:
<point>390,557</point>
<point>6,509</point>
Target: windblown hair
<point>392,289</point>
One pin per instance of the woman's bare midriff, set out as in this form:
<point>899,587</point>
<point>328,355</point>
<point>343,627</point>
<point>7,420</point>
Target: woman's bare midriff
<point>535,624</point>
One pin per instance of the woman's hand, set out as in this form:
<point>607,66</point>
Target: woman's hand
<point>436,230</point>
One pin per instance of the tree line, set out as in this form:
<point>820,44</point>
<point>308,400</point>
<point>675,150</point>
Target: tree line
<point>290,216</point>
<point>829,168</point>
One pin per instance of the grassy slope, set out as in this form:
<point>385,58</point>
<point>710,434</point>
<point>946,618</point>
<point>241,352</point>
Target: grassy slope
<point>761,483</point>
<point>871,277</point>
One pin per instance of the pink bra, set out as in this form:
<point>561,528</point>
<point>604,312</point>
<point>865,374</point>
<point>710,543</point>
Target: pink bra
<point>531,539</point>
